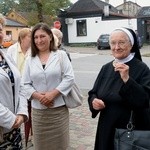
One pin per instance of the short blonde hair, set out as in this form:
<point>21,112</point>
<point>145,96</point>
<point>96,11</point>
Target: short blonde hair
<point>58,35</point>
<point>57,32</point>
<point>23,33</point>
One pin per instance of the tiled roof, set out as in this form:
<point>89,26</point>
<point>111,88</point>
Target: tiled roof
<point>27,14</point>
<point>144,12</point>
<point>89,6</point>
<point>128,2</point>
<point>13,23</point>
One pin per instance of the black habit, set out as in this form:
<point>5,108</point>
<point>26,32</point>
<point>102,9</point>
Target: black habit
<point>120,98</point>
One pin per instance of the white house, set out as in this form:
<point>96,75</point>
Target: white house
<point>94,27</point>
<point>87,19</point>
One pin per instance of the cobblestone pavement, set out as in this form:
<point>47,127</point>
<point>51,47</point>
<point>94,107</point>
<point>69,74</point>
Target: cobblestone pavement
<point>82,126</point>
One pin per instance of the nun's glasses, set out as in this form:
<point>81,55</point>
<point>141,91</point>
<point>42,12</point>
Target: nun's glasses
<point>120,43</point>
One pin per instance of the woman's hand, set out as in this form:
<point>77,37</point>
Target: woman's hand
<point>123,70</point>
<point>49,97</point>
<point>98,104</point>
<point>19,120</point>
<point>38,95</point>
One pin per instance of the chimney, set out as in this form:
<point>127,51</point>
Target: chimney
<point>107,1</point>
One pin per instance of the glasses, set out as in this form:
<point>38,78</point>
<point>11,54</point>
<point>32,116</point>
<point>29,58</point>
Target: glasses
<point>120,43</point>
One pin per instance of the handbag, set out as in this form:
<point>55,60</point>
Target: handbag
<point>74,97</point>
<point>12,140</point>
<point>130,139</point>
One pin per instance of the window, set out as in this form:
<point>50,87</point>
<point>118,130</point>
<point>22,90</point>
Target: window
<point>81,28</point>
<point>8,35</point>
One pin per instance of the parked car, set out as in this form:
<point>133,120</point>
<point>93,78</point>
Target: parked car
<point>103,41</point>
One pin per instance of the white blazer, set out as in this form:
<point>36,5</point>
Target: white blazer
<point>13,50</point>
<point>7,109</point>
<point>35,78</point>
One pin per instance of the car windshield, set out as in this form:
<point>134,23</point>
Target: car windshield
<point>104,36</point>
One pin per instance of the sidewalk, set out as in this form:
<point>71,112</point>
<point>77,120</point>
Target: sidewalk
<point>93,50</point>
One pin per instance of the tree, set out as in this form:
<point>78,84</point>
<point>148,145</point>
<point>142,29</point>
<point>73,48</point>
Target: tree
<point>52,6</point>
<point>7,5</point>
<point>46,7</point>
<point>38,9</point>
<point>27,5</point>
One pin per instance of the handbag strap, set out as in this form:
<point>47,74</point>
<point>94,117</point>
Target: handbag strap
<point>130,125</point>
<point>61,62</point>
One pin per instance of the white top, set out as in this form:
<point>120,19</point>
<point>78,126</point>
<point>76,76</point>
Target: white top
<point>7,110</point>
<point>35,78</point>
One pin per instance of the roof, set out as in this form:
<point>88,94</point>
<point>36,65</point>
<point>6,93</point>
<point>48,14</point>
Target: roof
<point>128,2</point>
<point>88,7</point>
<point>144,12</point>
<point>13,23</point>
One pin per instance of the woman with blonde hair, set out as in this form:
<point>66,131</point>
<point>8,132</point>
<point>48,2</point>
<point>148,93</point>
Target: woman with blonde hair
<point>21,49</point>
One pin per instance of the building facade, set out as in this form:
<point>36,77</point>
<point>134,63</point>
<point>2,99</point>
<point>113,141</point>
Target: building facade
<point>86,20</point>
<point>143,24</point>
<point>129,8</point>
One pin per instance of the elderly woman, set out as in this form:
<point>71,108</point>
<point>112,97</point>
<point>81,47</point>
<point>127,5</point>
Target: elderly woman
<point>58,36</point>
<point>13,105</point>
<point>45,87</point>
<point>19,52</point>
<point>122,85</point>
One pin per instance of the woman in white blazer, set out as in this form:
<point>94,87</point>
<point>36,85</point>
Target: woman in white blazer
<point>48,75</point>
<point>13,104</point>
<point>19,52</point>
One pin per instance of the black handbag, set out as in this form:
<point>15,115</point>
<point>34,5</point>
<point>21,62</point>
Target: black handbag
<point>12,140</point>
<point>130,139</point>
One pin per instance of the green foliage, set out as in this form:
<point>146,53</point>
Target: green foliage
<point>51,7</point>
<point>7,5</point>
<point>47,8</point>
<point>27,5</point>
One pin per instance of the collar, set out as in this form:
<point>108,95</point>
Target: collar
<point>125,60</point>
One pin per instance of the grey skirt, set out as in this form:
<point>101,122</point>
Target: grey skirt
<point>50,128</point>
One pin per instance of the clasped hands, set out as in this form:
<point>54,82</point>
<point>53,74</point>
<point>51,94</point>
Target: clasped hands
<point>46,98</point>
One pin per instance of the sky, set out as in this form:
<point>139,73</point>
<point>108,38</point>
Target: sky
<point>118,2</point>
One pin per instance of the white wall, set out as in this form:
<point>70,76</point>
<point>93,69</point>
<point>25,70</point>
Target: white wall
<point>95,27</point>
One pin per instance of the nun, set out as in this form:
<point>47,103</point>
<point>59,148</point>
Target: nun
<point>122,85</point>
